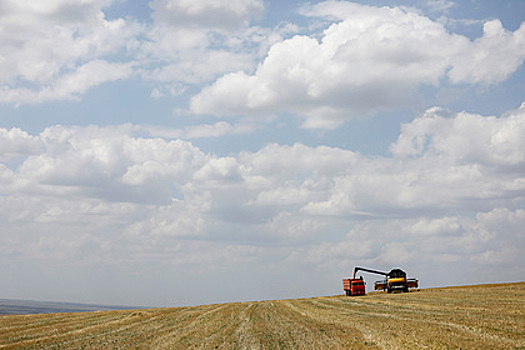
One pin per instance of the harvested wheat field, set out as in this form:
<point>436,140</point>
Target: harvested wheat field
<point>473,317</point>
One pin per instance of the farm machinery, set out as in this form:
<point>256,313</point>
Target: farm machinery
<point>354,286</point>
<point>394,280</point>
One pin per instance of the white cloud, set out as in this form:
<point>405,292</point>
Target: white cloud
<point>47,47</point>
<point>194,42</point>
<point>438,162</point>
<point>15,142</point>
<point>466,138</point>
<point>451,194</point>
<point>491,58</point>
<point>71,85</point>
<point>368,59</point>
<point>55,50</point>
<point>191,43</point>
<point>103,163</point>
<point>461,161</point>
<point>371,59</point>
<point>199,65</point>
<point>88,75</point>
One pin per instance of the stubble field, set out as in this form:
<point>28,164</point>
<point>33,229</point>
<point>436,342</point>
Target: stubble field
<point>473,317</point>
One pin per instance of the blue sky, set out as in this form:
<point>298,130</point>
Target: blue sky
<point>178,152</point>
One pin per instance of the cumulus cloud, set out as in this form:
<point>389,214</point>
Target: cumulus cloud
<point>450,194</point>
<point>102,163</point>
<point>15,142</point>
<point>369,59</point>
<point>59,49</point>
<point>71,85</point>
<point>465,137</point>
<point>491,58</point>
<point>191,43</point>
<point>439,163</point>
<point>439,160</point>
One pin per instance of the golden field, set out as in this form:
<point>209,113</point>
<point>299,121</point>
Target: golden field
<point>472,317</point>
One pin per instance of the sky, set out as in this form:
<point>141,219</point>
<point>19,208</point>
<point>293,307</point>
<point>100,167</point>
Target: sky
<point>176,152</point>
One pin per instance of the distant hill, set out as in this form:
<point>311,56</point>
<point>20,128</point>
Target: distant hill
<point>24,307</point>
<point>469,317</point>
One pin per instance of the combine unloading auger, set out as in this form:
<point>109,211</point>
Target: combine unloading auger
<point>396,279</point>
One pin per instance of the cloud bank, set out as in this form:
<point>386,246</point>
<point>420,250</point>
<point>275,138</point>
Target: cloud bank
<point>452,193</point>
<point>102,211</point>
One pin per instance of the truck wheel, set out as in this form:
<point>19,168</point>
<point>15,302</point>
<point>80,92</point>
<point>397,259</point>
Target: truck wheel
<point>389,290</point>
<point>405,289</point>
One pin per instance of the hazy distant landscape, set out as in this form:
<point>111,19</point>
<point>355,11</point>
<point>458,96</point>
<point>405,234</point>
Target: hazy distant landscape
<point>471,317</point>
<point>23,307</point>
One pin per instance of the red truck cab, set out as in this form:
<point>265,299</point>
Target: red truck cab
<point>354,286</point>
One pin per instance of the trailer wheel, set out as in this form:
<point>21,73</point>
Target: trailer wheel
<point>405,289</point>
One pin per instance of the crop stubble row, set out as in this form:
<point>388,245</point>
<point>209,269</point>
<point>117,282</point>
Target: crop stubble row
<point>475,317</point>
